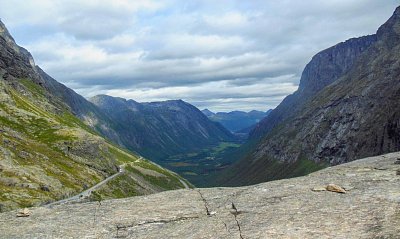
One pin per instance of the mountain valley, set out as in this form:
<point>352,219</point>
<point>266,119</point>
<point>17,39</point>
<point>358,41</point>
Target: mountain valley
<point>324,163</point>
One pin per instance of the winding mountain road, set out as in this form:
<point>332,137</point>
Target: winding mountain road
<point>89,191</point>
<point>184,184</point>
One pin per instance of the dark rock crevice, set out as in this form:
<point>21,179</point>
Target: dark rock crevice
<point>235,213</point>
<point>206,206</point>
<point>122,230</point>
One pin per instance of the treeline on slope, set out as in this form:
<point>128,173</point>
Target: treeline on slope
<point>347,107</point>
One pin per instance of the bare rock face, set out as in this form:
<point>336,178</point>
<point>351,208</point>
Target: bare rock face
<point>346,108</point>
<point>279,209</point>
<point>325,68</point>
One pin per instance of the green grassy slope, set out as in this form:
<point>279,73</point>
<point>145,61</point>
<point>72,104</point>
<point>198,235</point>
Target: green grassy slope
<point>46,152</point>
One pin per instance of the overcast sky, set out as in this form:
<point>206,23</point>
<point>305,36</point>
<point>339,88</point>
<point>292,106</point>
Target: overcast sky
<point>216,54</point>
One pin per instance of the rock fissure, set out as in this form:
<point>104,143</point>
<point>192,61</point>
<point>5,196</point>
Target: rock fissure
<point>235,214</point>
<point>206,206</point>
<point>226,227</point>
<point>209,213</point>
<point>122,229</point>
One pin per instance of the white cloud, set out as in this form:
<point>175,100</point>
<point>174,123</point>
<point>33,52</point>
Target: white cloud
<point>222,55</point>
<point>219,95</point>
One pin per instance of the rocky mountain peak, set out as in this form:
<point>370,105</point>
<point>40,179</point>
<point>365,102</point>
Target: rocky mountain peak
<point>324,68</point>
<point>389,33</point>
<point>328,65</point>
<point>4,32</point>
<point>15,60</point>
<point>208,112</point>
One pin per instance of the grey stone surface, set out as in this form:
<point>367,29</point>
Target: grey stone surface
<point>279,209</point>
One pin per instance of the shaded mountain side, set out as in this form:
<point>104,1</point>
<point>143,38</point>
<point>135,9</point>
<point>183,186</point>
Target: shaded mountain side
<point>290,208</point>
<point>208,112</point>
<point>324,68</point>
<point>355,116</point>
<point>237,121</point>
<point>161,129</point>
<point>81,108</point>
<point>46,151</point>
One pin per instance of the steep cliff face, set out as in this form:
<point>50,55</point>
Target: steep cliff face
<point>324,68</point>
<point>354,116</point>
<point>160,129</point>
<point>47,152</point>
<point>281,209</point>
<point>15,61</point>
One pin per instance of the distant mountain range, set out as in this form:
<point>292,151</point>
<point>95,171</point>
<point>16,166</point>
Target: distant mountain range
<point>237,121</point>
<point>347,107</point>
<point>160,129</point>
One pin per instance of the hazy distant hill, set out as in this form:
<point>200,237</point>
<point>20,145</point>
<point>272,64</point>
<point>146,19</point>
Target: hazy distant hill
<point>237,121</point>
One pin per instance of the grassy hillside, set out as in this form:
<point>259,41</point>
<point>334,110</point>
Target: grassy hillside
<point>47,153</point>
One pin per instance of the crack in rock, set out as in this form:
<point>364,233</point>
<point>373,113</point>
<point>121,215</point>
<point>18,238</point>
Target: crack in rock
<point>205,203</point>
<point>122,230</point>
<point>235,214</point>
<point>209,213</point>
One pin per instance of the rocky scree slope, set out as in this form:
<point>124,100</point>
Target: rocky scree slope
<point>46,152</point>
<point>161,129</point>
<point>280,209</point>
<point>353,113</point>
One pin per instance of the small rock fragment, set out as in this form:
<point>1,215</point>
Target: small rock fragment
<point>24,213</point>
<point>335,188</point>
<point>45,188</point>
<point>319,189</point>
<point>213,213</point>
<point>398,172</point>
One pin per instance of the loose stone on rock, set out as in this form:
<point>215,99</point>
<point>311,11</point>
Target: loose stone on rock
<point>331,188</point>
<point>319,189</point>
<point>335,188</point>
<point>24,213</point>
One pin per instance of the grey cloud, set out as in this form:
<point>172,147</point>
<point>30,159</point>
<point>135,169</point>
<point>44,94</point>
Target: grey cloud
<point>221,55</point>
<point>93,27</point>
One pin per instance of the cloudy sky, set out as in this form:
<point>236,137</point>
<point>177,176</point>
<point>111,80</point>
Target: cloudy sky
<point>222,55</point>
